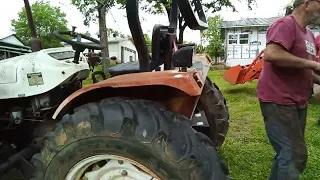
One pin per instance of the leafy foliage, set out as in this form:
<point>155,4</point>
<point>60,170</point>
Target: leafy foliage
<point>148,42</point>
<point>112,32</point>
<point>161,6</point>
<point>93,10</point>
<point>213,36</point>
<point>164,6</point>
<point>89,8</point>
<point>46,18</point>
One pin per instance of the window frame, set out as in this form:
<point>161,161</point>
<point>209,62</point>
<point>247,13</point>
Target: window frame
<point>238,39</point>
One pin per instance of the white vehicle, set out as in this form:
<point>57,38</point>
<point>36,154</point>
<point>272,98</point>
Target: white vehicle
<point>34,84</point>
<point>40,72</point>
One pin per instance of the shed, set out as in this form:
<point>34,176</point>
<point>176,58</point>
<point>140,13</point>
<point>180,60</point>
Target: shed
<point>245,38</point>
<point>11,46</point>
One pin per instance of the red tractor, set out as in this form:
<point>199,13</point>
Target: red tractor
<point>142,123</point>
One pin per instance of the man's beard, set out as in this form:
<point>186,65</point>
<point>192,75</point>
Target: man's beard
<point>313,17</point>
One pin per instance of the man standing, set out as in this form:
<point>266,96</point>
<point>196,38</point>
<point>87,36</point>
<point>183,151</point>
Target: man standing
<point>285,85</point>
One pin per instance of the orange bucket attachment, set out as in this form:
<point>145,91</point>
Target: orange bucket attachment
<point>234,74</point>
<point>242,74</point>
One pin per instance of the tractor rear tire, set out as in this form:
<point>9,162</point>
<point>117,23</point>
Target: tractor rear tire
<point>216,110</point>
<point>139,130</point>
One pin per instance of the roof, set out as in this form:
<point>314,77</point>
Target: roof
<point>247,22</point>
<point>15,37</point>
<point>8,46</point>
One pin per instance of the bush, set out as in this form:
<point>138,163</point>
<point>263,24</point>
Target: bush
<point>219,66</point>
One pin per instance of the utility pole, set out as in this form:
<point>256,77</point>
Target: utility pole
<point>35,42</point>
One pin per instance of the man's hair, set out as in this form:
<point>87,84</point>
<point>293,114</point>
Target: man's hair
<point>296,3</point>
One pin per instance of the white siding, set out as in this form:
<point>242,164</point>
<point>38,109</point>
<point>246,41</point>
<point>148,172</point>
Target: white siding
<point>243,44</point>
<point>129,51</point>
<point>241,53</point>
<point>114,50</point>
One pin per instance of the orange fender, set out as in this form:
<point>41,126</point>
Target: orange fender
<point>180,92</point>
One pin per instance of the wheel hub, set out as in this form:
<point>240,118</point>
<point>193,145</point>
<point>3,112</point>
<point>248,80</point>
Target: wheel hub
<point>109,167</point>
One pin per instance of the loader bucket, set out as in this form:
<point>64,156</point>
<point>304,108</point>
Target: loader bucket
<point>233,75</point>
<point>242,74</point>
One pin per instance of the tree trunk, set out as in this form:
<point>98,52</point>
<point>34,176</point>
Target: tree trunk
<point>104,39</point>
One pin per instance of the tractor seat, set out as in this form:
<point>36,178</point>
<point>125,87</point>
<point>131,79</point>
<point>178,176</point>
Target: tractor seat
<point>125,68</point>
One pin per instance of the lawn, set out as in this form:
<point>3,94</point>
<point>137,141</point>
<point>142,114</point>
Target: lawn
<point>246,150</point>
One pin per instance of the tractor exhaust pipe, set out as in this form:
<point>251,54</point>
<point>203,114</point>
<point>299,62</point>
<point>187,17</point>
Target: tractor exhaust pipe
<point>35,42</point>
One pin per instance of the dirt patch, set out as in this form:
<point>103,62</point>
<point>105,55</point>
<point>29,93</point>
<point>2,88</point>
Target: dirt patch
<point>219,66</point>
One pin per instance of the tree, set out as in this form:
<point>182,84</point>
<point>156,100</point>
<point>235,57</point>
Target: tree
<point>161,6</point>
<point>112,33</point>
<point>213,36</point>
<point>148,42</point>
<point>93,10</point>
<point>287,9</point>
<point>46,18</point>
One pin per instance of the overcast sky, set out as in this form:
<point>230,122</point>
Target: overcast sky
<point>116,20</point>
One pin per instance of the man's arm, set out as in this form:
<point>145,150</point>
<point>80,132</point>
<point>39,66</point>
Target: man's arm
<point>278,55</point>
<point>280,39</point>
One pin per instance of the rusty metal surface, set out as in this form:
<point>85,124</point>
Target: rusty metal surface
<point>183,104</point>
<point>190,83</point>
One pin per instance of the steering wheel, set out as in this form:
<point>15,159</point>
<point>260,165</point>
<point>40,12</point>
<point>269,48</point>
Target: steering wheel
<point>78,46</point>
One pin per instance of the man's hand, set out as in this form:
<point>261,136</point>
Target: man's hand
<point>316,78</point>
<point>316,68</point>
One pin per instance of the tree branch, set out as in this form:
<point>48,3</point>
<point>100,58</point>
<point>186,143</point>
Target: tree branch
<point>99,2</point>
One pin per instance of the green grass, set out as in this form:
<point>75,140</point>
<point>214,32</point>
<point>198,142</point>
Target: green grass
<point>89,81</point>
<point>246,150</point>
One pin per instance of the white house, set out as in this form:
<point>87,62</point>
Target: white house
<point>11,46</point>
<point>121,48</point>
<point>245,38</point>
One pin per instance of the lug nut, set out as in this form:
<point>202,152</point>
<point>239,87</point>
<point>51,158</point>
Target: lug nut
<point>124,173</point>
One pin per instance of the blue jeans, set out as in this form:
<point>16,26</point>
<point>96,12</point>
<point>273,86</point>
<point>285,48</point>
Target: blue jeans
<point>285,127</point>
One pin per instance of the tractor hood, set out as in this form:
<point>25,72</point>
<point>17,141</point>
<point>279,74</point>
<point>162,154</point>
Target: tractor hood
<point>37,72</point>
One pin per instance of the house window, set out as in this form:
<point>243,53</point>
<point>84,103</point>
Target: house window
<point>131,58</point>
<point>233,38</point>
<point>262,31</point>
<point>239,38</point>
<point>244,39</point>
